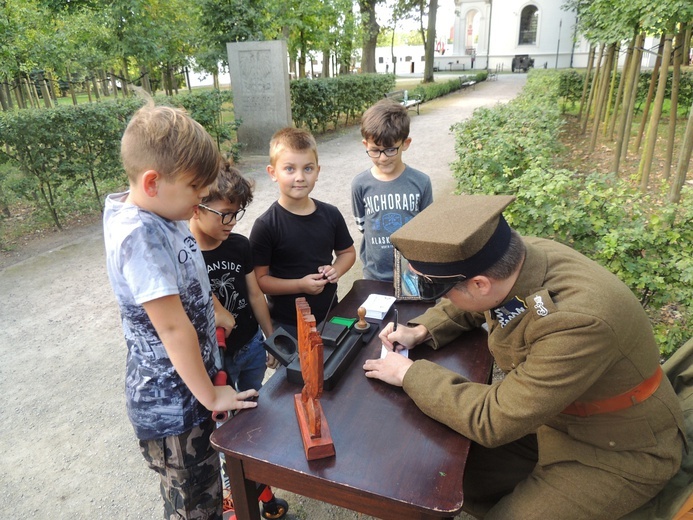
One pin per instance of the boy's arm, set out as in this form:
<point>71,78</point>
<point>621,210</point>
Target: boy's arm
<point>309,284</point>
<point>222,317</point>
<point>357,207</point>
<point>179,338</point>
<point>259,304</point>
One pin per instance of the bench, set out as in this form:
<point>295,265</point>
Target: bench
<point>465,82</point>
<point>410,102</point>
<point>492,74</point>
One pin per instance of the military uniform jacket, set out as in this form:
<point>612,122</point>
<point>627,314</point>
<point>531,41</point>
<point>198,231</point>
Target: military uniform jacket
<point>568,331</point>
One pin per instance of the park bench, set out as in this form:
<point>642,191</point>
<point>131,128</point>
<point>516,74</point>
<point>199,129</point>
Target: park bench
<point>465,82</point>
<point>410,102</point>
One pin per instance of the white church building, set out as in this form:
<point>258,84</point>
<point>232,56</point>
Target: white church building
<point>490,33</point>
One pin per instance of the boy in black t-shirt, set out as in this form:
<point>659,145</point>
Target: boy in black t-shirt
<point>230,269</point>
<point>301,246</point>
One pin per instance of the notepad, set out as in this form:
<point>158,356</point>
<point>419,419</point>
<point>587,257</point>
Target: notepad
<point>377,305</point>
<point>384,350</point>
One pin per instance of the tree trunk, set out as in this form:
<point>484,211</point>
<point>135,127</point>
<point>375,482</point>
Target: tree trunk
<point>593,89</point>
<point>126,78</point>
<point>687,44</point>
<point>104,83</point>
<point>674,106</point>
<point>3,97</point>
<point>50,85</point>
<point>88,89</point>
<point>429,49</point>
<point>114,83</point>
<point>609,102</point>
<point>601,96</point>
<point>653,126</point>
<point>392,47</point>
<point>585,85</point>
<point>627,84</point>
<point>370,28</point>
<point>47,102</point>
<point>19,93</point>
<point>637,63</point>
<point>326,60</point>
<point>650,94</point>
<point>621,87</point>
<point>95,84</point>
<point>8,94</point>
<point>70,85</point>
<point>684,160</point>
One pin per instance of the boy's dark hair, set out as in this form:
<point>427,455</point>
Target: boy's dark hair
<point>386,123</point>
<point>230,185</point>
<point>171,142</point>
<point>294,139</point>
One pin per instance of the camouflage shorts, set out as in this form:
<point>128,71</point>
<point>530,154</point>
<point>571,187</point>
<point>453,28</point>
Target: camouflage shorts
<point>189,470</point>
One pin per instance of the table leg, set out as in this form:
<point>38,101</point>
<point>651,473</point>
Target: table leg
<point>244,492</point>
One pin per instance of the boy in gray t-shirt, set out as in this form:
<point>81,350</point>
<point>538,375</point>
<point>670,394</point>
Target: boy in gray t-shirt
<point>390,193</point>
<point>160,282</point>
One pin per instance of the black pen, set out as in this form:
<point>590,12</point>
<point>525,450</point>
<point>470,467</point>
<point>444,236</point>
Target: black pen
<point>394,345</point>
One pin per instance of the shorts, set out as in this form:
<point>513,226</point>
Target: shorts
<point>189,471</point>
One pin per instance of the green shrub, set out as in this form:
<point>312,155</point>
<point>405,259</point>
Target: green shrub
<point>73,152</point>
<point>510,149</point>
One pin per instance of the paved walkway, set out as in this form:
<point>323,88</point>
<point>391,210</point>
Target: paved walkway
<point>66,447</point>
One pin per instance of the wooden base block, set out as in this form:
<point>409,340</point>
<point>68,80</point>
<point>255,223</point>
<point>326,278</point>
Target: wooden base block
<point>315,448</point>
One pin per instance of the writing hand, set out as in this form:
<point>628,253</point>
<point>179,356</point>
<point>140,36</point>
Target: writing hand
<point>403,337</point>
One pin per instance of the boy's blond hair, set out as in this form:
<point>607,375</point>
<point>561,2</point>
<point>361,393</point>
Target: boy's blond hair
<point>170,142</point>
<point>231,186</point>
<point>386,123</point>
<point>294,139</point>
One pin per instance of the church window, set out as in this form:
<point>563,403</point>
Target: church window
<point>528,25</point>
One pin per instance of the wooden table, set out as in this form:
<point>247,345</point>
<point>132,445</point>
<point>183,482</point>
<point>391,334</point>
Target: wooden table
<point>392,461</point>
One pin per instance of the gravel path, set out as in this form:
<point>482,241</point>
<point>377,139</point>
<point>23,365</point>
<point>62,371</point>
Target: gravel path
<point>67,450</point>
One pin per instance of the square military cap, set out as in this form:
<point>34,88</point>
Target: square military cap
<point>456,235</point>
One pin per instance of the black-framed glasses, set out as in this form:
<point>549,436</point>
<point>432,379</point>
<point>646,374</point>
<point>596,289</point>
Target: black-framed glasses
<point>226,218</point>
<point>433,287</point>
<point>389,152</point>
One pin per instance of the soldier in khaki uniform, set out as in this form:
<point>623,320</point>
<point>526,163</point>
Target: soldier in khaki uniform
<point>583,425</point>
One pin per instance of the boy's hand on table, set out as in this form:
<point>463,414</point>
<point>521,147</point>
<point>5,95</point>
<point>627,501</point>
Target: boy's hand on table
<point>229,399</point>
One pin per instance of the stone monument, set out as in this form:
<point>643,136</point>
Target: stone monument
<point>260,84</point>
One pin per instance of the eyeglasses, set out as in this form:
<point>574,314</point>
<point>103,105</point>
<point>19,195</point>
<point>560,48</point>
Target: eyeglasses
<point>433,287</point>
<point>389,152</point>
<point>226,218</point>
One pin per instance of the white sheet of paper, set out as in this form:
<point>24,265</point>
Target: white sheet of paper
<point>384,350</point>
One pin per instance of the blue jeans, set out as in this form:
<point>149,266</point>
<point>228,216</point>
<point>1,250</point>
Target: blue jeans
<point>246,368</point>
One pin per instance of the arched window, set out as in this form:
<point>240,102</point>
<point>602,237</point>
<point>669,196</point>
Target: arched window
<point>528,25</point>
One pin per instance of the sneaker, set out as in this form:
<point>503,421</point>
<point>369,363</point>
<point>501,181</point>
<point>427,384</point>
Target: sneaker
<point>275,508</point>
<point>228,505</point>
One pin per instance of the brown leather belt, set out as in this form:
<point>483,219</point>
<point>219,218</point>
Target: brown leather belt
<point>620,402</point>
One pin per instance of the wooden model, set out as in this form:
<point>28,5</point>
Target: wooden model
<point>315,433</point>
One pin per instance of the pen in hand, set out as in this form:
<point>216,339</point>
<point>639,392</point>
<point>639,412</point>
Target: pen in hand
<point>394,344</point>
